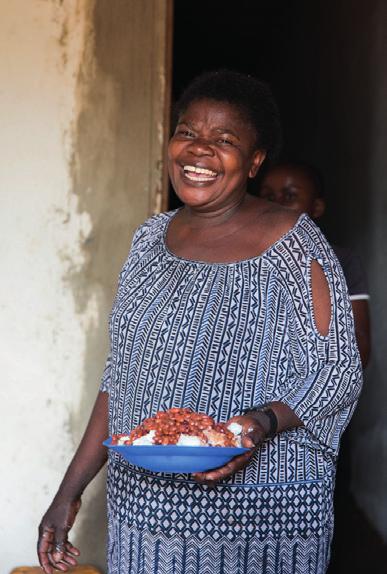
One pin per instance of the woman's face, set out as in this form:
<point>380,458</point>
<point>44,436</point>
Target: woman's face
<point>212,154</point>
<point>291,187</point>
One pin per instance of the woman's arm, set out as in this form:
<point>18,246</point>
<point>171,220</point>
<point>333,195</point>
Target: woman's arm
<point>314,396</point>
<point>54,549</point>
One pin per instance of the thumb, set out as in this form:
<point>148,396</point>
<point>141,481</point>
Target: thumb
<point>253,437</point>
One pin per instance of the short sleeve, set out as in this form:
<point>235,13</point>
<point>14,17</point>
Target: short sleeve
<point>139,244</point>
<point>107,373</point>
<point>145,238</point>
<point>325,380</point>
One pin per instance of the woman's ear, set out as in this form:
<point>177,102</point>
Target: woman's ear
<point>318,208</point>
<point>257,161</point>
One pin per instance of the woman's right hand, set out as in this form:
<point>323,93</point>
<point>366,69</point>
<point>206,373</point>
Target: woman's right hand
<point>54,549</point>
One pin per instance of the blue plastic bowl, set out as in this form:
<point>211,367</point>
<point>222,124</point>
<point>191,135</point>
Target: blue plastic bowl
<point>176,459</point>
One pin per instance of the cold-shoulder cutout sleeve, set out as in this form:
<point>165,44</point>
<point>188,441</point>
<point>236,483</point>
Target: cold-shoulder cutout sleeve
<point>325,377</point>
<point>321,299</point>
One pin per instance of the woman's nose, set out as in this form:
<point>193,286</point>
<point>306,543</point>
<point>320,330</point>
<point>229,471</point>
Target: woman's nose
<point>201,146</point>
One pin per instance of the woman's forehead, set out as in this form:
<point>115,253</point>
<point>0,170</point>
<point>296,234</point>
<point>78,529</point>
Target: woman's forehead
<point>213,109</point>
<point>219,114</point>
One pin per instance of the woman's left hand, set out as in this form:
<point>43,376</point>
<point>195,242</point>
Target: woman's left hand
<point>253,434</point>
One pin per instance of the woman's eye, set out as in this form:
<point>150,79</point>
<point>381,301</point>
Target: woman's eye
<point>185,133</point>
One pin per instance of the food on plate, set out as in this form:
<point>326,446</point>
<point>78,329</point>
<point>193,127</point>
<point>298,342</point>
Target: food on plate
<point>181,427</point>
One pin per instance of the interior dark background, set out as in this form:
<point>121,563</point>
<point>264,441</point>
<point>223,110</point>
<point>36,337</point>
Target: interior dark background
<point>313,54</point>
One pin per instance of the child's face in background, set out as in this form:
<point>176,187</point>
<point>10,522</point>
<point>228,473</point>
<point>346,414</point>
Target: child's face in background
<point>292,188</point>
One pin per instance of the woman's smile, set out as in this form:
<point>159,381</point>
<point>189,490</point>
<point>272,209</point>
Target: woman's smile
<point>199,174</point>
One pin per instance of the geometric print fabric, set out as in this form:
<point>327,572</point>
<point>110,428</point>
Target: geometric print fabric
<point>218,338</point>
<point>143,552</point>
<point>185,509</point>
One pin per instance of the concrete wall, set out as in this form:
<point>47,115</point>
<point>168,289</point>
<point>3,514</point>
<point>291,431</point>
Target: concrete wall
<point>337,118</point>
<point>83,100</point>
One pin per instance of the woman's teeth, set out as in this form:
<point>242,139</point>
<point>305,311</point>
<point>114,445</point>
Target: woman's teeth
<point>199,173</point>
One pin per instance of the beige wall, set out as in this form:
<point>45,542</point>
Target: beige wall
<point>83,100</point>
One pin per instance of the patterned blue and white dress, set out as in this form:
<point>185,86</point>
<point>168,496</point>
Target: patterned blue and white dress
<point>219,338</point>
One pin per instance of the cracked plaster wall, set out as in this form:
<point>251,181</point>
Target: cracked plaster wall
<point>83,108</point>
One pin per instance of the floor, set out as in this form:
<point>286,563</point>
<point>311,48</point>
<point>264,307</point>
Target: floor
<point>357,547</point>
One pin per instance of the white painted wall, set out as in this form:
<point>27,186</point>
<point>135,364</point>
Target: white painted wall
<point>83,114</point>
<point>42,333</point>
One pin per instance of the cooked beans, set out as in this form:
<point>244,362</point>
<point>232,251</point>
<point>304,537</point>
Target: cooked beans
<point>169,425</point>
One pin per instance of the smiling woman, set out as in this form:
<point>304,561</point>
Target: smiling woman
<point>234,307</point>
<point>211,154</point>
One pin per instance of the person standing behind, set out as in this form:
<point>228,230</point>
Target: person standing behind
<point>300,187</point>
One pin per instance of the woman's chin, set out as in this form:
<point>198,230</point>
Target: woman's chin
<point>195,197</point>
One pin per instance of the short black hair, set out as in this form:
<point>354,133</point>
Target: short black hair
<point>252,97</point>
<point>311,172</point>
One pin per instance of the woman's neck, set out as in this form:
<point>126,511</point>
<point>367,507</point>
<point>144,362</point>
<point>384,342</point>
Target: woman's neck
<point>198,218</point>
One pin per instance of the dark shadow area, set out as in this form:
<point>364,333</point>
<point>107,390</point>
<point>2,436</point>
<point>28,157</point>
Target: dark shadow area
<point>299,48</point>
<point>317,60</point>
<point>357,547</point>
<point>364,552</point>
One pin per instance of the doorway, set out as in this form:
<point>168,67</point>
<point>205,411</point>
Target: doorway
<point>317,60</point>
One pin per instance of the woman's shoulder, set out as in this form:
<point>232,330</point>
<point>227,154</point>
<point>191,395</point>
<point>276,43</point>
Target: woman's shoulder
<point>288,229</point>
<point>152,227</point>
<point>301,243</point>
<point>272,223</point>
<point>157,220</point>
<point>279,220</point>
